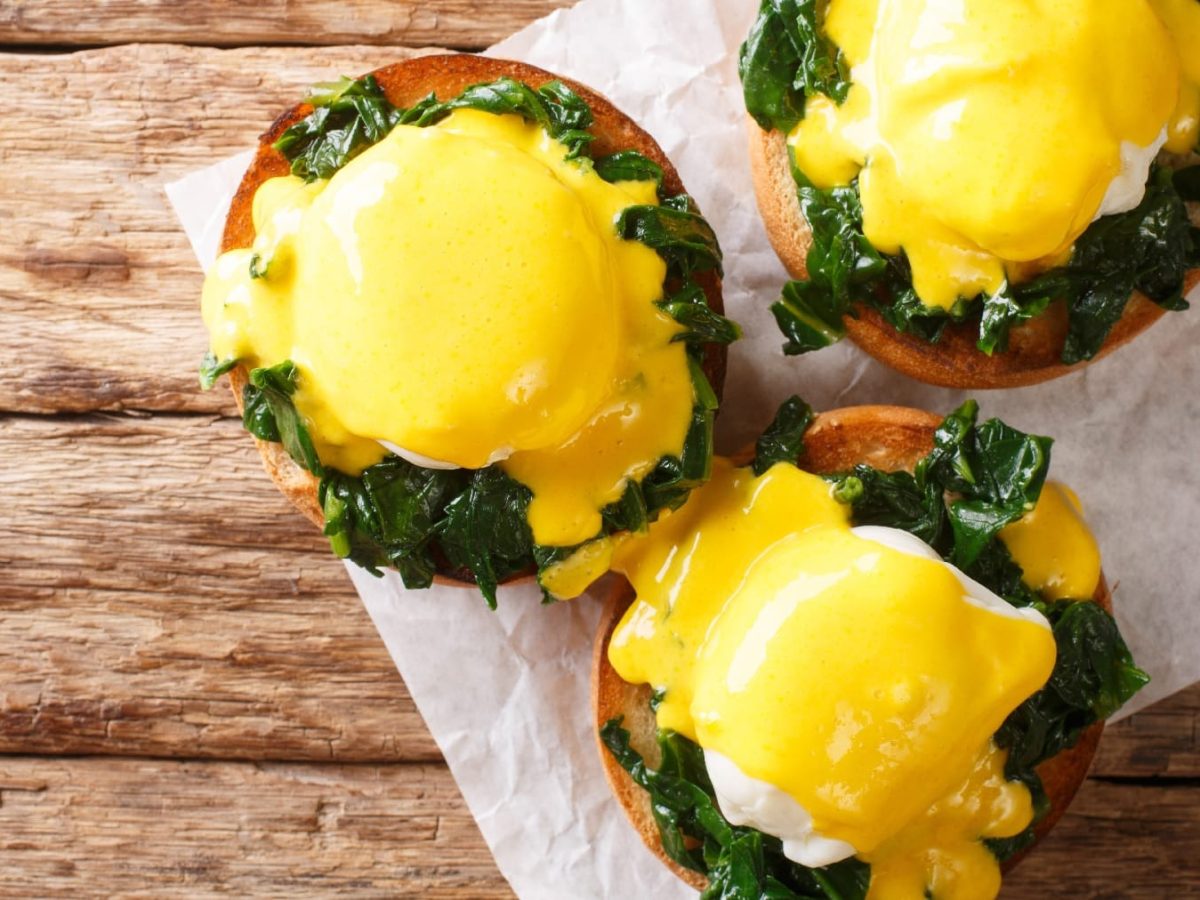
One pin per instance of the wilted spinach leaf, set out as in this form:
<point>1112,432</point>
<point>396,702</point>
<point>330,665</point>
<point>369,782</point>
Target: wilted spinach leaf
<point>683,239</point>
<point>558,109</point>
<point>667,486</point>
<point>212,368</point>
<point>739,862</point>
<point>996,568</point>
<point>1001,311</point>
<point>841,264</point>
<point>997,470</point>
<point>688,245</point>
<point>1093,677</point>
<point>783,440</point>
<point>786,59</point>
<point>897,500</point>
<point>629,165</point>
<point>486,530</point>
<point>630,513</point>
<point>1148,249</point>
<point>351,115</point>
<point>689,307</point>
<point>389,515</point>
<point>348,116</point>
<point>268,413</point>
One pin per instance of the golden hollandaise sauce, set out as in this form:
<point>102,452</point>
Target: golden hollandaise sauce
<point>1182,18</point>
<point>1054,546</point>
<point>862,681</point>
<point>692,560</point>
<point>985,136</point>
<point>460,292</point>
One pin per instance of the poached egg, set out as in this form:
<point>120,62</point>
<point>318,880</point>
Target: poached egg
<point>745,800</point>
<point>844,683</point>
<point>987,136</point>
<point>459,295</point>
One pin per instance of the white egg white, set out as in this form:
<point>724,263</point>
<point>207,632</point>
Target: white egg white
<point>762,806</point>
<point>428,462</point>
<point>1126,191</point>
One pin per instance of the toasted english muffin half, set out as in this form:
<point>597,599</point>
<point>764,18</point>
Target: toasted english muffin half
<point>405,83</point>
<point>1034,346</point>
<point>889,438</point>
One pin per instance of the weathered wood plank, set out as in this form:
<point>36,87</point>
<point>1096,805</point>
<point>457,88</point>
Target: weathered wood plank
<point>1118,840</point>
<point>1160,742</point>
<point>99,291</point>
<point>159,597</point>
<point>471,24</point>
<point>124,828</point>
<point>196,829</point>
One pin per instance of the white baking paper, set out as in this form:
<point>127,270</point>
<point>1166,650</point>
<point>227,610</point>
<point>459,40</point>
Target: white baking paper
<point>506,694</point>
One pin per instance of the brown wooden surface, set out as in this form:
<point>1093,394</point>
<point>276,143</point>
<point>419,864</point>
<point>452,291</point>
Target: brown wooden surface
<point>191,829</point>
<point>191,698</point>
<point>461,24</point>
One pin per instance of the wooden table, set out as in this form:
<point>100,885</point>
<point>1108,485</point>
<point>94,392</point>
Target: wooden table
<point>192,700</point>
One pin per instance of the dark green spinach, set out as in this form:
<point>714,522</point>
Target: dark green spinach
<point>682,238</point>
<point>268,413</point>
<point>212,368</point>
<point>995,473</point>
<point>739,862</point>
<point>390,516</point>
<point>783,440</point>
<point>897,500</point>
<point>842,266</point>
<point>995,470</point>
<point>629,165</point>
<point>1148,249</point>
<point>351,115</point>
<point>348,116</point>
<point>1094,676</point>
<point>485,529</point>
<point>786,59</point>
<point>564,115</point>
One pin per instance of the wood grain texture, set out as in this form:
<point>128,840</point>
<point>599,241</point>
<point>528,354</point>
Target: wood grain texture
<point>158,598</point>
<point>197,829</point>
<point>99,290</point>
<point>1117,841</point>
<point>168,602</point>
<point>1160,742</point>
<point>154,828</point>
<point>163,599</point>
<point>467,24</point>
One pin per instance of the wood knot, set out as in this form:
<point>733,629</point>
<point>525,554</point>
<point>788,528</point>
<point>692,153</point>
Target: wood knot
<point>95,263</point>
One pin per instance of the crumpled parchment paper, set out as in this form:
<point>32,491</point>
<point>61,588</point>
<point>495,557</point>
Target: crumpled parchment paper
<point>506,694</point>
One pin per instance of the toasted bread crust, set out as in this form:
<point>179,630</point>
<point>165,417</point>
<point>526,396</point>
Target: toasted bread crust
<point>889,438</point>
<point>1035,347</point>
<point>405,83</point>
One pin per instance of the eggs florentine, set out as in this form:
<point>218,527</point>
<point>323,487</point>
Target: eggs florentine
<point>459,293</point>
<point>987,136</point>
<point>844,683</point>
